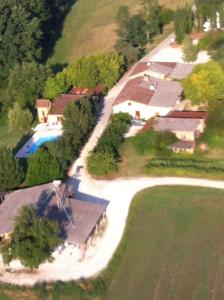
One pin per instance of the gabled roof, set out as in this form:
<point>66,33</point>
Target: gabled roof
<point>96,91</point>
<point>173,70</point>
<point>60,103</point>
<point>159,67</point>
<point>138,89</point>
<point>188,114</point>
<point>43,103</point>
<point>175,124</point>
<point>85,214</point>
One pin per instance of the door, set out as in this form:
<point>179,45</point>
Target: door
<point>137,115</point>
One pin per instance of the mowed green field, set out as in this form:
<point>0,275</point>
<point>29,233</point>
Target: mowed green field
<point>173,247</point>
<point>90,27</point>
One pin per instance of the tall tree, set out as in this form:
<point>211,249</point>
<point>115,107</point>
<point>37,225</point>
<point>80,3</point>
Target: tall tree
<point>205,84</point>
<point>122,19</point>
<point>151,13</point>
<point>33,239</point>
<point>11,173</point>
<point>25,84</point>
<point>19,118</point>
<point>183,23</point>
<point>190,51</point>
<point>43,167</point>
<point>136,31</point>
<point>79,119</point>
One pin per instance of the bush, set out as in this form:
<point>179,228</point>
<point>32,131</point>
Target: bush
<point>101,164</point>
<point>153,142</point>
<point>105,156</point>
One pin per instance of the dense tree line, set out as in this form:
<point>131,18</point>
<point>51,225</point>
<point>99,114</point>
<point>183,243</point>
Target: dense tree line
<point>135,31</point>
<point>207,9</point>
<point>87,72</point>
<point>25,27</point>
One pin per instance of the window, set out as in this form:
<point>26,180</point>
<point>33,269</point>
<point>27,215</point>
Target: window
<point>129,103</point>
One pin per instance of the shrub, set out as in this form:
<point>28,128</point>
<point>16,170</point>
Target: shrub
<point>102,164</point>
<point>153,142</point>
<point>105,156</point>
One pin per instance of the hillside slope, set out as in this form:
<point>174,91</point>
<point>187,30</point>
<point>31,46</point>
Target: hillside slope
<point>90,27</point>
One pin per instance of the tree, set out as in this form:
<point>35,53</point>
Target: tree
<point>57,85</point>
<point>190,51</point>
<point>110,68</point>
<point>136,31</point>
<point>11,173</point>
<point>122,19</point>
<point>43,167</point>
<point>166,15</point>
<point>33,240</point>
<point>183,22</point>
<point>19,118</point>
<point>151,14</point>
<point>79,119</point>
<point>130,53</point>
<point>205,84</point>
<point>25,84</point>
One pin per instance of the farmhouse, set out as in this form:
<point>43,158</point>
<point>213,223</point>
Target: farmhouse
<point>162,70</point>
<point>78,219</point>
<point>52,112</point>
<point>186,125</point>
<point>145,97</point>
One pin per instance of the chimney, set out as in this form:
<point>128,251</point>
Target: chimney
<point>153,86</point>
<point>146,78</point>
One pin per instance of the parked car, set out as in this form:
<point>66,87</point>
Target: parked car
<point>137,122</point>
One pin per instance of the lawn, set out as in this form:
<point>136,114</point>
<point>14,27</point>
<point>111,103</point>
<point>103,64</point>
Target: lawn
<point>90,27</point>
<point>9,138</point>
<point>172,249</point>
<point>134,163</point>
<point>173,246</point>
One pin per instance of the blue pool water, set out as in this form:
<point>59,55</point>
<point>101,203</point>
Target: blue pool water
<point>40,142</point>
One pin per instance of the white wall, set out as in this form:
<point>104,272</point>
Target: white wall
<point>146,111</point>
<point>149,73</point>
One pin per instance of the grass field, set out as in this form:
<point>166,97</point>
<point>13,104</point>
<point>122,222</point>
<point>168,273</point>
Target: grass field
<point>90,27</point>
<point>9,138</point>
<point>173,246</point>
<point>172,249</point>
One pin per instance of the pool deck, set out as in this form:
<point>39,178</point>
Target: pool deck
<point>24,151</point>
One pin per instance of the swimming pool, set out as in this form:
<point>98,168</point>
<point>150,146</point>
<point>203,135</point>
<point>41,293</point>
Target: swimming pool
<point>40,142</point>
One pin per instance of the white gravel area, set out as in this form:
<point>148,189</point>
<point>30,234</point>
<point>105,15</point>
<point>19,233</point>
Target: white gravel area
<point>175,54</point>
<point>120,192</point>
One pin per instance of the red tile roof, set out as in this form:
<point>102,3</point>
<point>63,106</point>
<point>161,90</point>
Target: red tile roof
<point>133,91</point>
<point>43,103</point>
<point>188,114</point>
<point>98,90</point>
<point>144,66</point>
<point>138,89</point>
<point>58,106</point>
